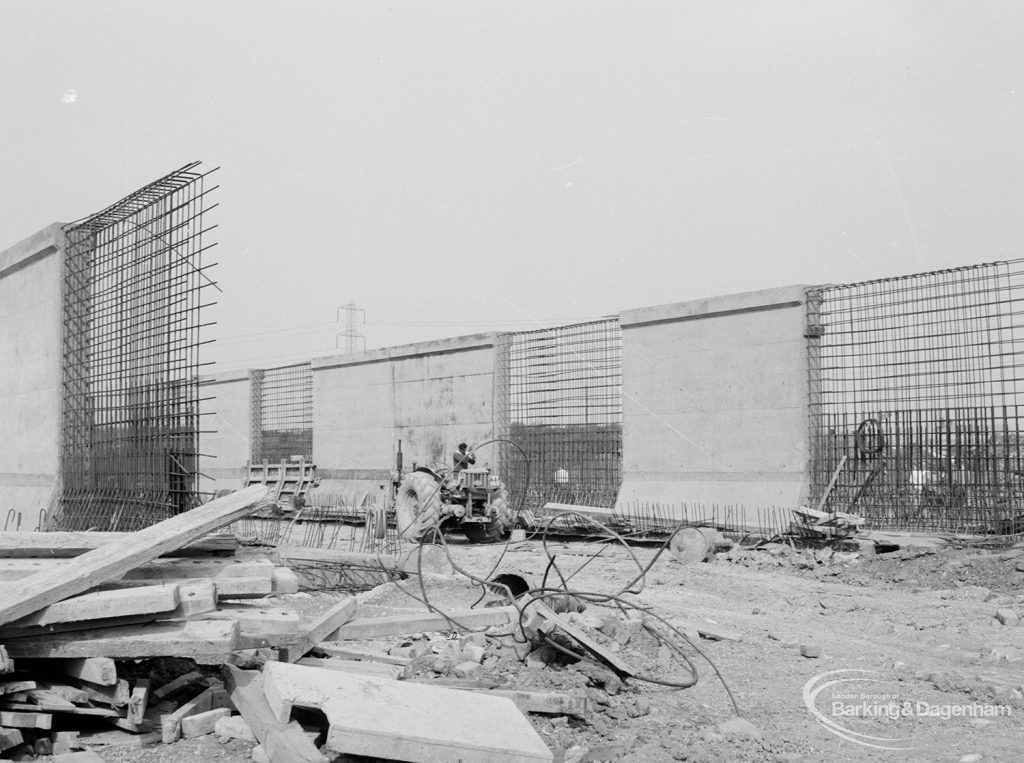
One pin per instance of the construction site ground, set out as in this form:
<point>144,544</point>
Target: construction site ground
<point>924,621</point>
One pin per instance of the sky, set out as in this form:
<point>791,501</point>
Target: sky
<point>458,167</point>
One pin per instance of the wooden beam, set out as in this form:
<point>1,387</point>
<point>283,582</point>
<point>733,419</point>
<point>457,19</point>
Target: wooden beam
<point>208,641</point>
<point>116,695</point>
<point>28,720</point>
<point>227,588</point>
<point>108,563</point>
<point>96,670</point>
<point>283,743</point>
<point>213,569</point>
<point>138,701</point>
<point>170,723</point>
<point>60,707</point>
<point>313,632</point>
<point>56,545</point>
<point>12,687</point>
<point>425,622</point>
<point>104,604</point>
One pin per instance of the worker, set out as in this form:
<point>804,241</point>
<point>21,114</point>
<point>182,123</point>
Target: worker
<point>462,459</point>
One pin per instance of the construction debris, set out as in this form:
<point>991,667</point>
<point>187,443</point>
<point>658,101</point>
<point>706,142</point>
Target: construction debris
<point>815,523</point>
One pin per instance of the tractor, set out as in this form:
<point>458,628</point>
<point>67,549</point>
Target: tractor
<point>472,500</point>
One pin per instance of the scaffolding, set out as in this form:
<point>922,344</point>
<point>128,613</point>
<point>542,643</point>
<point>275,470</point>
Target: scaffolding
<point>558,406</point>
<point>915,399</point>
<point>132,285</point>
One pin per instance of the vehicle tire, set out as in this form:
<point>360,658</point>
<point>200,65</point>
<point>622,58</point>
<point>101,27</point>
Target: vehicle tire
<point>493,531</point>
<point>417,507</point>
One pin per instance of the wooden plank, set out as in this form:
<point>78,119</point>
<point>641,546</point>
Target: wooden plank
<point>62,707</point>
<point>180,684</point>
<point>315,631</point>
<point>208,641</point>
<point>352,666</point>
<point>96,670</point>
<point>202,724</point>
<point>157,569</point>
<point>108,563</point>
<point>283,743</point>
<point>211,569</point>
<point>28,720</point>
<point>227,588</point>
<point>45,696</point>
<point>115,696</point>
<point>57,545</point>
<point>398,720</point>
<point>170,723</point>
<point>337,649</point>
<point>138,701</point>
<point>104,604</point>
<point>11,687</point>
<point>425,622</point>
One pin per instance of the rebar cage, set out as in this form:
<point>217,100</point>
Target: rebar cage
<point>282,412</point>
<point>914,399</point>
<point>132,284</point>
<point>558,397</point>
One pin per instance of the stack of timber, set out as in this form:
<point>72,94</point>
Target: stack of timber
<point>77,608</point>
<point>143,638</point>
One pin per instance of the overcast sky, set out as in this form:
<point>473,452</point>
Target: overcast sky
<point>455,167</point>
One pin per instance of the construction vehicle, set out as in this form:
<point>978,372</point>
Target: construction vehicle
<point>471,500</point>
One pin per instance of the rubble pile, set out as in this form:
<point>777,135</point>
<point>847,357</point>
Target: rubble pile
<point>174,632</point>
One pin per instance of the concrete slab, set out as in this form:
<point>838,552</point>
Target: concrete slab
<point>425,724</point>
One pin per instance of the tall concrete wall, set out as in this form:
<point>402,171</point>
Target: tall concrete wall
<point>225,439</point>
<point>715,401</point>
<point>430,395</point>
<point>30,378</point>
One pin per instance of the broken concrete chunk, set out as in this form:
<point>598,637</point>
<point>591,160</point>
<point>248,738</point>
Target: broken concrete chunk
<point>1007,617</point>
<point>468,669</point>
<point>233,727</point>
<point>202,724</point>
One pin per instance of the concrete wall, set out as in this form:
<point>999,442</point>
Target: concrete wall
<point>30,373</point>
<point>715,401</point>
<point>225,438</point>
<point>430,395</point>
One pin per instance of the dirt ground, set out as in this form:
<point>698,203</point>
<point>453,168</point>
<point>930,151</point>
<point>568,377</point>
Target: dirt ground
<point>930,672</point>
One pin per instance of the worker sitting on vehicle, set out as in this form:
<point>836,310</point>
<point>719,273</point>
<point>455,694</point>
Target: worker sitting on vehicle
<point>462,458</point>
